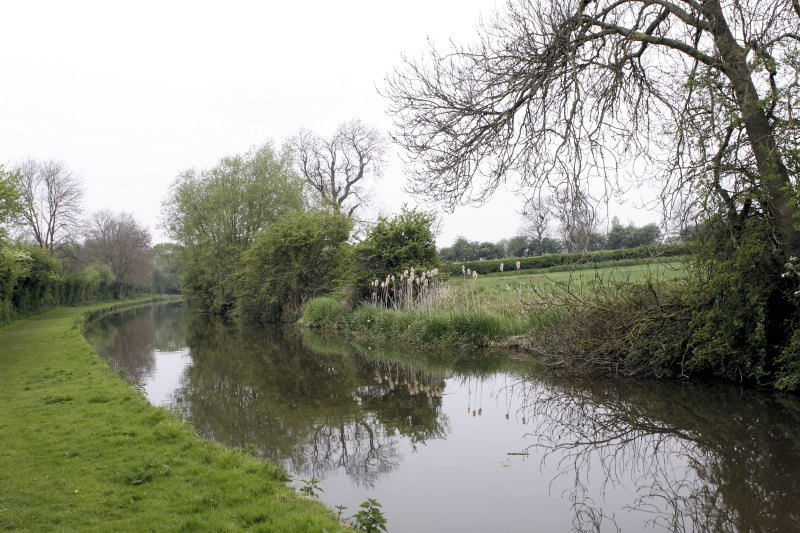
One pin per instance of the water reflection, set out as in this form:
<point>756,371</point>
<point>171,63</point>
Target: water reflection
<point>311,410</point>
<point>134,337</point>
<point>701,458</point>
<point>484,443</point>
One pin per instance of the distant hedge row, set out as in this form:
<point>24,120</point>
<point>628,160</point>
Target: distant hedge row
<point>551,260</point>
<point>30,281</point>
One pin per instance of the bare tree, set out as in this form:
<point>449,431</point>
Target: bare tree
<point>52,199</point>
<point>576,217</point>
<point>701,94</point>
<point>536,217</point>
<point>118,241</point>
<point>336,167</point>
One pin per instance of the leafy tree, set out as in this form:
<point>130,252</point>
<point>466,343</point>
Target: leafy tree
<point>52,199</point>
<point>461,250</point>
<point>489,250</point>
<point>396,244</point>
<point>215,214</point>
<point>10,205</point>
<point>630,236</point>
<point>297,257</point>
<point>120,242</point>
<point>335,168</point>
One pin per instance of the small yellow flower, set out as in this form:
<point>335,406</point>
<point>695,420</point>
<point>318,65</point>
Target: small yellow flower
<point>75,491</point>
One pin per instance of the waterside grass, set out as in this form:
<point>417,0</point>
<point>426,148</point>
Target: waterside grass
<point>502,308</point>
<point>81,450</point>
<point>473,327</point>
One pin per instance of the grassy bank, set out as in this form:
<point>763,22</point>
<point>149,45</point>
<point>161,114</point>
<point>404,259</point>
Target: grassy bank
<point>482,310</point>
<point>81,450</point>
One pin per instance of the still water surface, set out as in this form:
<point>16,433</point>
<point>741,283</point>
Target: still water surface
<point>472,442</point>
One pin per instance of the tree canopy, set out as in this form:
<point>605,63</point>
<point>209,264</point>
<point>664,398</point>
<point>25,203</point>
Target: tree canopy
<point>215,214</point>
<point>10,201</point>
<point>297,257</point>
<point>52,200</point>
<point>119,241</point>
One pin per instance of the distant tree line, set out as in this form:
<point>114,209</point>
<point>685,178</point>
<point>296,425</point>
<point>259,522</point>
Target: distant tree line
<point>535,242</point>
<point>51,254</point>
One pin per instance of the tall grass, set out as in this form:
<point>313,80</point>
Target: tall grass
<point>473,327</point>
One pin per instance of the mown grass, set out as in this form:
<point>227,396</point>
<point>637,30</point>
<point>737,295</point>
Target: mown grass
<point>81,450</point>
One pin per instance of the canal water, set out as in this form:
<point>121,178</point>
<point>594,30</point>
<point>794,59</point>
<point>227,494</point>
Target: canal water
<point>467,441</point>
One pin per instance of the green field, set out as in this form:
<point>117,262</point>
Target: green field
<point>81,450</point>
<point>515,290</point>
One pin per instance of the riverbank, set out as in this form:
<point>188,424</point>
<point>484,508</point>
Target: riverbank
<point>83,450</point>
<point>504,309</point>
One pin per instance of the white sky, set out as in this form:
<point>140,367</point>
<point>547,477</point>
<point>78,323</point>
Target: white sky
<point>128,94</point>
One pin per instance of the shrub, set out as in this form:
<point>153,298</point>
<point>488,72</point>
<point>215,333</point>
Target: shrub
<point>298,257</point>
<point>323,311</point>
<point>394,245</point>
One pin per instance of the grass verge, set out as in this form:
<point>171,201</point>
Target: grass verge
<point>81,450</point>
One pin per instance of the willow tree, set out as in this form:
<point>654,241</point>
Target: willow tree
<point>215,214</point>
<point>696,96</point>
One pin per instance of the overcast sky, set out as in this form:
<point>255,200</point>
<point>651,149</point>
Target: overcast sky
<point>128,94</point>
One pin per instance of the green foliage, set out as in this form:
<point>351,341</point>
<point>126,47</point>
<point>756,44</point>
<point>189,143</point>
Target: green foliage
<point>10,201</point>
<point>167,268</point>
<point>311,488</point>
<point>32,279</point>
<point>215,214</point>
<point>397,244</point>
<point>294,259</point>
<point>630,236</point>
<point>745,308</point>
<point>370,517</point>
<point>734,317</point>
<point>552,260</point>
<point>522,246</point>
<point>323,311</point>
<point>453,327</point>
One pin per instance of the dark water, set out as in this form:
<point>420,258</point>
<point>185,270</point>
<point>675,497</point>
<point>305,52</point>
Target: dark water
<point>479,444</point>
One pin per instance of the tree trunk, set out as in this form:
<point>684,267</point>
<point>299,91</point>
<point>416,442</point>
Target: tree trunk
<point>775,196</point>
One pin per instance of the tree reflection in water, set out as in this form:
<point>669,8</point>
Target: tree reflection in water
<point>313,411</point>
<point>130,338</point>
<point>701,458</point>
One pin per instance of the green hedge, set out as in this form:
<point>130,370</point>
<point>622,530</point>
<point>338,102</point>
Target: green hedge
<point>30,281</point>
<point>552,260</point>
